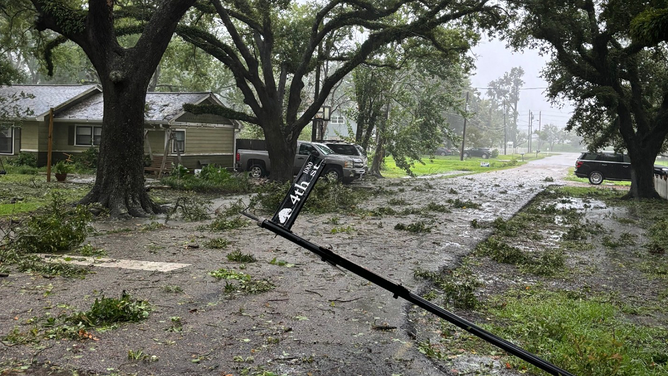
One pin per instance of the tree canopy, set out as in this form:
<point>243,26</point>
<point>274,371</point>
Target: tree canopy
<point>124,68</point>
<point>272,49</point>
<point>618,84</point>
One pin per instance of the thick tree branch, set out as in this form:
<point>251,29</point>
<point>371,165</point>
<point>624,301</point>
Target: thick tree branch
<point>220,111</point>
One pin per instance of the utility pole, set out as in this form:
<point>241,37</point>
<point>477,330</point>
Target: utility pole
<point>540,117</point>
<point>466,110</point>
<point>505,132</point>
<point>530,130</point>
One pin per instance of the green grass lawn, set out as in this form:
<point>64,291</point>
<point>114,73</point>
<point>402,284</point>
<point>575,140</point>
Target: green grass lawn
<point>23,193</point>
<point>449,164</point>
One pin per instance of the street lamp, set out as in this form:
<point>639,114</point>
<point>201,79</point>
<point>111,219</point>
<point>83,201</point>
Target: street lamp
<point>323,115</point>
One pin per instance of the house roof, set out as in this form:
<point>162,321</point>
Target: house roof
<point>161,107</point>
<point>85,103</point>
<point>41,98</point>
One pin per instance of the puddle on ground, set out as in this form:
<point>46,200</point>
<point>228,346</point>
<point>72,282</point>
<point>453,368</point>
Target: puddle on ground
<point>580,204</point>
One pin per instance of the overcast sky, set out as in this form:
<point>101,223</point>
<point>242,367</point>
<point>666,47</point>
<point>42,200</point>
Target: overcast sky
<point>493,60</point>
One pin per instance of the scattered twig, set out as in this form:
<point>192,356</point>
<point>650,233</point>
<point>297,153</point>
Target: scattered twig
<point>314,292</point>
<point>383,327</point>
<point>344,301</point>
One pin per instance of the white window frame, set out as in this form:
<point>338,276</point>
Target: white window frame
<point>337,119</point>
<point>12,134</point>
<point>176,141</point>
<point>93,128</point>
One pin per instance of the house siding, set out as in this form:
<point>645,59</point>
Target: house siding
<point>204,145</point>
<point>29,136</point>
<point>61,136</point>
<point>209,140</point>
<point>156,140</point>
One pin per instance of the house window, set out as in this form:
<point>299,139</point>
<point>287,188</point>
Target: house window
<point>88,135</point>
<point>337,120</point>
<point>179,145</point>
<point>6,138</point>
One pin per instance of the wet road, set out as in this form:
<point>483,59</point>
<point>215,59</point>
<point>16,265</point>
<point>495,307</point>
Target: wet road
<point>318,320</point>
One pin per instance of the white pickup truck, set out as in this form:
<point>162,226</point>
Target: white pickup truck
<point>338,167</point>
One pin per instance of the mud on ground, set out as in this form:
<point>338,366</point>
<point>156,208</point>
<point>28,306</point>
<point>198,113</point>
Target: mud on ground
<point>317,320</point>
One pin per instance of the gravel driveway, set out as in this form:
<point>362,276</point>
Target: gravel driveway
<point>318,320</point>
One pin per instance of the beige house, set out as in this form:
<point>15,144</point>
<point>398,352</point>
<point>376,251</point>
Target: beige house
<point>196,140</point>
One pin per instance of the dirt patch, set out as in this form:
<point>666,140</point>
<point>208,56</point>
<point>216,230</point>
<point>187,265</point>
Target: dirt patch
<point>317,319</point>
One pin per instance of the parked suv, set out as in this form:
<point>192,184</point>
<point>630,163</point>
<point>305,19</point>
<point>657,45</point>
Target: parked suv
<point>606,166</point>
<point>444,151</point>
<point>352,150</point>
<point>484,153</point>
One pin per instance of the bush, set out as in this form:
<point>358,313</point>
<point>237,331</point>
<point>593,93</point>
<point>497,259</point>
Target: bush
<point>215,174</point>
<point>210,179</point>
<point>88,159</point>
<point>180,171</point>
<point>495,153</point>
<point>24,159</point>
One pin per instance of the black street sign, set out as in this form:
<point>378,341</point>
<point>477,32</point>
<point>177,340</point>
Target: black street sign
<point>292,204</point>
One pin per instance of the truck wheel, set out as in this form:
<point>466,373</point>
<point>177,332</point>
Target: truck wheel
<point>466,155</point>
<point>596,177</point>
<point>256,171</point>
<point>333,174</point>
<point>485,156</point>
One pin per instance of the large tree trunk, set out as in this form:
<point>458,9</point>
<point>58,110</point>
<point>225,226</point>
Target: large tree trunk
<point>282,150</point>
<point>642,182</point>
<point>378,158</point>
<point>125,74</point>
<point>119,183</point>
<point>642,174</point>
<point>643,144</point>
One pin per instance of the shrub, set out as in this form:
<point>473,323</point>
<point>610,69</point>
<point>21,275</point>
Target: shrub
<point>24,159</point>
<point>211,179</point>
<point>495,153</point>
<point>180,171</point>
<point>88,159</point>
<point>215,174</point>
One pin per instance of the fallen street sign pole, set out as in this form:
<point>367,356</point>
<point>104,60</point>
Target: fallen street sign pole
<point>397,290</point>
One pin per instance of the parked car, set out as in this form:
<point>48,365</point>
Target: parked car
<point>444,151</point>
<point>607,166</point>
<point>352,150</point>
<point>338,167</point>
<point>484,153</point>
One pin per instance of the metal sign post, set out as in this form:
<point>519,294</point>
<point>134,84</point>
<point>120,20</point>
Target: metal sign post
<point>284,219</point>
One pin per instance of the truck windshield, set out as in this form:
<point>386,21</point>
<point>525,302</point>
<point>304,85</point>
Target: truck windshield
<point>323,149</point>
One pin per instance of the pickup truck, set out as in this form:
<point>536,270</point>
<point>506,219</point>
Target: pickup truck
<point>338,167</point>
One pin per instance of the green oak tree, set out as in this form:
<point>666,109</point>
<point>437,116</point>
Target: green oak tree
<point>619,85</point>
<point>124,72</point>
<point>274,47</point>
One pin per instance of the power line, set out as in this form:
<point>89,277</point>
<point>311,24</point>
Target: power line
<point>524,88</point>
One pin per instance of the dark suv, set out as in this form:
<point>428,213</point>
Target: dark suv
<point>606,166</point>
<point>353,150</point>
<point>478,152</point>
